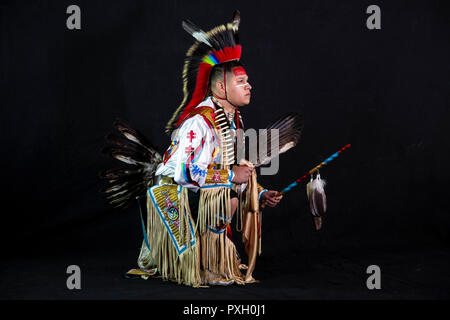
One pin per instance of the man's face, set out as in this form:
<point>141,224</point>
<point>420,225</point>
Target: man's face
<point>238,88</point>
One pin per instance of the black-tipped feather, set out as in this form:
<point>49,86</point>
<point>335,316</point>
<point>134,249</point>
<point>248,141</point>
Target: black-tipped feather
<point>118,172</point>
<point>289,132</point>
<point>196,32</point>
<point>133,134</point>
<point>139,160</point>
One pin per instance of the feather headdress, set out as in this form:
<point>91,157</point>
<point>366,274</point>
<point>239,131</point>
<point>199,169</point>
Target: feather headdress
<point>217,46</point>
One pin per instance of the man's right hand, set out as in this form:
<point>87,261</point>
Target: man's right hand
<point>241,174</point>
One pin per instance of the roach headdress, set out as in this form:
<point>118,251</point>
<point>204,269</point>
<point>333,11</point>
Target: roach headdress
<point>217,46</point>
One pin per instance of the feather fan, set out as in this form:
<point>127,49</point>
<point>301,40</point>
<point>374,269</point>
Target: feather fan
<point>289,131</point>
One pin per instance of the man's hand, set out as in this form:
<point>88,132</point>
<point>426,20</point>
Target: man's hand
<point>271,198</point>
<point>241,174</point>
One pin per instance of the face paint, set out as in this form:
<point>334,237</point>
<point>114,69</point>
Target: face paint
<point>239,71</point>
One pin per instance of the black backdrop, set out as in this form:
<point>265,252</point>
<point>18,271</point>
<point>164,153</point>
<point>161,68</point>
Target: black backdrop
<point>384,91</point>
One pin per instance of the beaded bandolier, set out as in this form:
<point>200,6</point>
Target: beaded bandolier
<point>229,144</point>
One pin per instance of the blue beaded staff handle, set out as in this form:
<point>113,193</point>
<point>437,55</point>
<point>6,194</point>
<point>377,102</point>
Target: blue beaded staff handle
<point>327,160</point>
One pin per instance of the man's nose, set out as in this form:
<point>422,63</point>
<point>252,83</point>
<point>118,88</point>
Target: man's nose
<point>249,86</point>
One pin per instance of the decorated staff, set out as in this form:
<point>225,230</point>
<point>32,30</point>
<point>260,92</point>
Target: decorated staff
<point>315,189</point>
<point>316,168</point>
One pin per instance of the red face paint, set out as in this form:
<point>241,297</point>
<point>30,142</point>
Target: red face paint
<point>239,71</point>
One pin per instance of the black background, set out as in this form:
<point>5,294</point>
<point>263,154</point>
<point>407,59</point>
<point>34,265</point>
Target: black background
<point>384,91</point>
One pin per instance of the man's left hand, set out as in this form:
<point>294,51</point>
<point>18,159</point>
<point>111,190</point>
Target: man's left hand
<point>271,198</point>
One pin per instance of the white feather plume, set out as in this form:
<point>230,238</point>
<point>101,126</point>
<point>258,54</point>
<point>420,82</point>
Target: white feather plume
<point>196,32</point>
<point>316,195</point>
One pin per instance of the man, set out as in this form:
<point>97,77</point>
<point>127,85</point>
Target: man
<point>197,151</point>
<point>200,183</point>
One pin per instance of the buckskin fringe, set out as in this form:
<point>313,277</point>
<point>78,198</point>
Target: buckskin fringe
<point>183,268</point>
<point>218,255</point>
<point>213,203</point>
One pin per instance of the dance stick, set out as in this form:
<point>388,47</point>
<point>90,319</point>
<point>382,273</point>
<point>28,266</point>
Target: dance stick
<point>327,160</point>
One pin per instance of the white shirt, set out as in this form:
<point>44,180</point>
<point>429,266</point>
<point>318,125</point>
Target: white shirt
<point>195,145</point>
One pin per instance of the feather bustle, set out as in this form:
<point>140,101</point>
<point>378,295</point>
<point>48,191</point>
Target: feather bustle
<point>139,160</point>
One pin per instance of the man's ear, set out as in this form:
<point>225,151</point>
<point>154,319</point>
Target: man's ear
<point>219,86</point>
